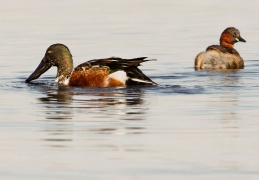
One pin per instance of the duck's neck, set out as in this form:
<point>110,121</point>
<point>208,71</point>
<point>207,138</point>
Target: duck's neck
<point>64,69</point>
<point>226,44</point>
<point>225,41</point>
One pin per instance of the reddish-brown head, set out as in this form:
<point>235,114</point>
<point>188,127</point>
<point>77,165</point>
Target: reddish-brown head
<point>230,36</point>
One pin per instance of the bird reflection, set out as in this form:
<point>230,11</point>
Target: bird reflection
<point>224,77</point>
<point>57,103</point>
<point>62,102</point>
<point>225,85</point>
<point>70,110</point>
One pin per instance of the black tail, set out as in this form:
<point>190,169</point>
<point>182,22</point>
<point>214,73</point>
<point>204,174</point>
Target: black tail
<point>137,77</point>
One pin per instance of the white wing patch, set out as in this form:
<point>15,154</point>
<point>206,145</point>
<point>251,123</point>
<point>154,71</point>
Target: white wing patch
<point>119,76</point>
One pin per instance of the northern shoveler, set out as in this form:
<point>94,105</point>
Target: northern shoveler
<point>106,72</point>
<point>222,56</point>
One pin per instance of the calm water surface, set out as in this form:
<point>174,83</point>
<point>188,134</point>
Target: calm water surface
<point>194,125</point>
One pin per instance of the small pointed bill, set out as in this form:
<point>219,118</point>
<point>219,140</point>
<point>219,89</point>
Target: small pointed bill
<point>240,39</point>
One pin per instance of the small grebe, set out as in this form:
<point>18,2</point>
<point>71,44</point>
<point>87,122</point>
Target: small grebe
<point>222,56</point>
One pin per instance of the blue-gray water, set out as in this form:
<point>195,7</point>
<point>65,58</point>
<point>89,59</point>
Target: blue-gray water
<point>194,125</point>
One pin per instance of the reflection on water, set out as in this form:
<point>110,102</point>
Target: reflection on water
<point>61,101</point>
<point>93,105</point>
<point>57,101</point>
<point>200,124</point>
<point>225,86</point>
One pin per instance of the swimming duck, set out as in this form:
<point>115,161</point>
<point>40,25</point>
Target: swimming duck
<point>222,56</point>
<point>108,72</point>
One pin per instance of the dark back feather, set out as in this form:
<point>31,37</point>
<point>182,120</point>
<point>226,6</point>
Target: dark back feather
<point>222,49</point>
<point>130,66</point>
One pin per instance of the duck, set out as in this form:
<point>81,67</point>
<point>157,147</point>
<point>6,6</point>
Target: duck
<point>223,56</point>
<point>106,72</point>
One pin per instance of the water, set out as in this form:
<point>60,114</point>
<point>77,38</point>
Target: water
<point>194,125</point>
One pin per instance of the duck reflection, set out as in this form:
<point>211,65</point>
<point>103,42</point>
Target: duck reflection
<point>225,87</point>
<point>69,111</point>
<point>224,77</point>
<point>63,102</point>
<point>57,103</point>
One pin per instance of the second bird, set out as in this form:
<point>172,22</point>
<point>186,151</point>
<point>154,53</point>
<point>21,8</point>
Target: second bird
<point>222,56</point>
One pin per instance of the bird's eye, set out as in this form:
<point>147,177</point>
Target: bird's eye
<point>49,51</point>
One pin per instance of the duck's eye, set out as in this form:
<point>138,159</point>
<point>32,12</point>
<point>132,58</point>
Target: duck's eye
<point>49,51</point>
